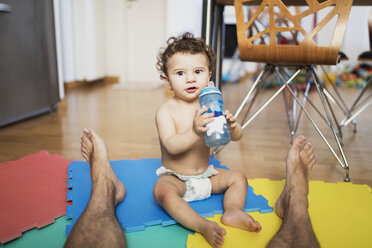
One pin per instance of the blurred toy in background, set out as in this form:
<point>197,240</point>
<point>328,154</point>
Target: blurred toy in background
<point>355,77</point>
<point>273,81</point>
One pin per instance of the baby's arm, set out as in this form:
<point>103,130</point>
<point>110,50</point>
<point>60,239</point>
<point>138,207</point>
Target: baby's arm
<point>176,143</point>
<point>236,131</point>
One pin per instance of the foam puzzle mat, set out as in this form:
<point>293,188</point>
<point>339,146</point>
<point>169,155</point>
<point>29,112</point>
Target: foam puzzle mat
<point>340,213</point>
<point>175,236</point>
<point>54,235</point>
<point>32,193</point>
<point>139,209</point>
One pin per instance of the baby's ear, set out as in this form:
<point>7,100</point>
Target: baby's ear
<point>209,77</point>
<point>166,81</point>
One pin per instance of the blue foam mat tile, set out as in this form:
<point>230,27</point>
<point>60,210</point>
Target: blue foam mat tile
<point>68,229</point>
<point>69,195</point>
<point>139,209</point>
<point>69,183</point>
<point>69,212</point>
<point>69,173</point>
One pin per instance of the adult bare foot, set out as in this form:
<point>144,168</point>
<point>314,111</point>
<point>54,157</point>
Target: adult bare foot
<point>213,233</point>
<point>94,150</point>
<point>300,161</point>
<point>240,219</point>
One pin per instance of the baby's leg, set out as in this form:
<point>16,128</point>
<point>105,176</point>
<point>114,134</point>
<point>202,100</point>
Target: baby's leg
<point>234,184</point>
<point>168,192</point>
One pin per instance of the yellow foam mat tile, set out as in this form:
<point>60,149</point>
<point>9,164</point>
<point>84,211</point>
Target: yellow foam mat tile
<point>341,215</point>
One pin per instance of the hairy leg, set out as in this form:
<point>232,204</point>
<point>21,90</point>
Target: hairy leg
<point>98,225</point>
<point>234,184</point>
<point>292,204</point>
<point>168,191</point>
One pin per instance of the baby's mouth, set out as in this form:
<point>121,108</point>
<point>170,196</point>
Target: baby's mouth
<point>191,89</point>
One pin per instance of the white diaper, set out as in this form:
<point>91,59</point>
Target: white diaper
<point>198,187</point>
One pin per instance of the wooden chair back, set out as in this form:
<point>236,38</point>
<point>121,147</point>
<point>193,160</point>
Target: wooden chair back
<point>305,52</point>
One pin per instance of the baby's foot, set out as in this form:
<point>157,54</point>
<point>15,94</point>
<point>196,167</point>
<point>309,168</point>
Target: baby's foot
<point>94,150</point>
<point>238,218</point>
<point>300,161</point>
<point>213,233</point>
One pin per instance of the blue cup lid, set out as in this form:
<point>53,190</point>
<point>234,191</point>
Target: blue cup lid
<point>209,90</point>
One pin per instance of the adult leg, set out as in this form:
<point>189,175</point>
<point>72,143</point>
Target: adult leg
<point>98,225</point>
<point>292,204</point>
<point>168,191</point>
<point>234,184</point>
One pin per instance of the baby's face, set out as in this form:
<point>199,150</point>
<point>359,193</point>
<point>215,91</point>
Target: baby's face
<point>188,74</point>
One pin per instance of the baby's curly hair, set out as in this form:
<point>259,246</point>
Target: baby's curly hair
<point>184,43</point>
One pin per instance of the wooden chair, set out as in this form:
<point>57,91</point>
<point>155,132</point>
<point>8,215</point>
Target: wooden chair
<point>283,59</point>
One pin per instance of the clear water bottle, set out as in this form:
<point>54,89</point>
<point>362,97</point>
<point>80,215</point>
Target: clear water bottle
<point>218,133</point>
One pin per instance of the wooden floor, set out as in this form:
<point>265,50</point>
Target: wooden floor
<point>125,120</point>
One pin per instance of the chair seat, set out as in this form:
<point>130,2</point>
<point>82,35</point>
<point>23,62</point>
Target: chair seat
<point>290,55</point>
<point>342,56</point>
<point>365,56</point>
<point>262,43</point>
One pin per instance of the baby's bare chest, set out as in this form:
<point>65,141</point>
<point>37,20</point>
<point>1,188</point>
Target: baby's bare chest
<point>183,123</point>
<point>183,120</point>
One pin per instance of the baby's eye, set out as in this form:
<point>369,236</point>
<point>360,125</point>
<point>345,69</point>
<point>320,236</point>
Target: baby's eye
<point>198,71</point>
<point>180,73</point>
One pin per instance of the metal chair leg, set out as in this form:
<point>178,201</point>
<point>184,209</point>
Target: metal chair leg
<point>256,92</point>
<point>329,97</point>
<point>349,116</point>
<point>343,163</point>
<point>294,119</point>
<point>304,100</point>
<point>349,113</point>
<point>323,100</point>
<point>250,92</point>
<point>250,97</point>
<point>341,103</point>
<point>330,117</point>
<point>290,118</point>
<point>270,99</point>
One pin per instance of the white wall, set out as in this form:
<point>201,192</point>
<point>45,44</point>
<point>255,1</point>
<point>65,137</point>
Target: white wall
<point>120,38</point>
<point>356,39</point>
<point>114,33</point>
<point>184,16</point>
<point>91,37</point>
<point>145,33</point>
<point>149,24</point>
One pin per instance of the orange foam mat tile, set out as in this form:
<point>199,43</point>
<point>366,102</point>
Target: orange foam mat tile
<point>32,193</point>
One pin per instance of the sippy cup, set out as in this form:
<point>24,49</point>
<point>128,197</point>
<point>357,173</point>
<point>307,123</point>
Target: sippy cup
<point>218,133</point>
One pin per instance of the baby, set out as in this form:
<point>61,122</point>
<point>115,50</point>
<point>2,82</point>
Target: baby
<point>186,65</point>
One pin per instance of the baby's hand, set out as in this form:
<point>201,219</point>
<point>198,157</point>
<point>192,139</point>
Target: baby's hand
<point>201,120</point>
<point>231,120</point>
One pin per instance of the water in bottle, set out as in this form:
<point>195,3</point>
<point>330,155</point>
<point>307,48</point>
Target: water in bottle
<point>218,133</point>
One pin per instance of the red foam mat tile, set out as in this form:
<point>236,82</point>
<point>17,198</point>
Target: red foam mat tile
<point>32,193</point>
